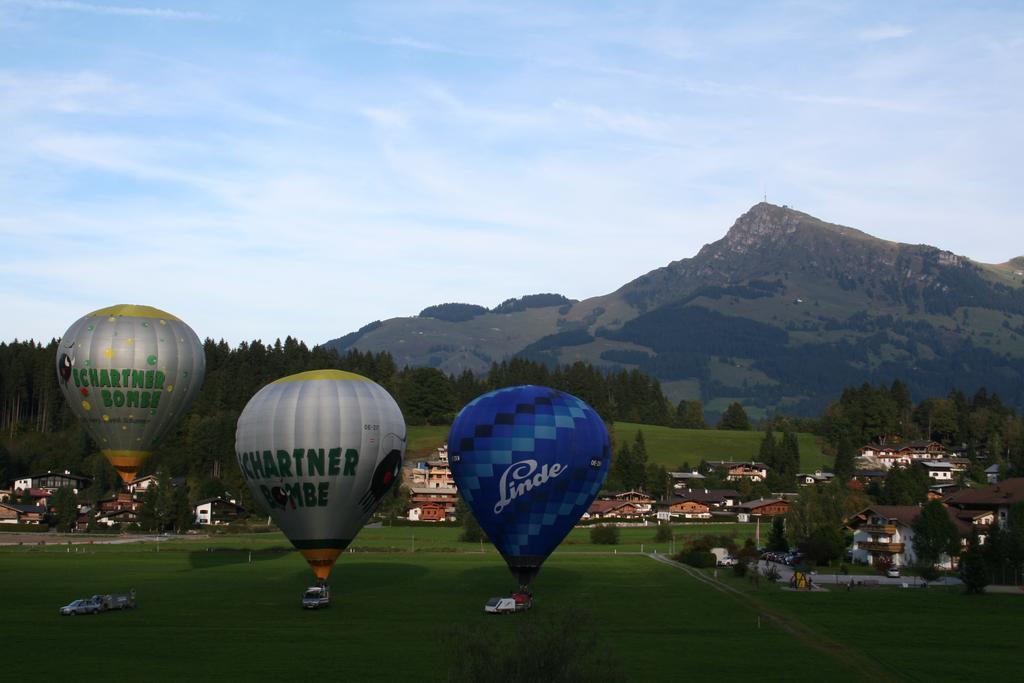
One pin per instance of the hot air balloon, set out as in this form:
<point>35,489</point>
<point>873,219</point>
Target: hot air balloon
<point>528,461</point>
<point>319,450</point>
<point>129,372</point>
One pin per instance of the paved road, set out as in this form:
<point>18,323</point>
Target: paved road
<point>85,539</point>
<point>826,580</point>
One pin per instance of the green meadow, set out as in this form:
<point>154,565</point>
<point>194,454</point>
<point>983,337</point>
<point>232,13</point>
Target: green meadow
<point>228,607</point>
<point>666,445</point>
<point>673,447</point>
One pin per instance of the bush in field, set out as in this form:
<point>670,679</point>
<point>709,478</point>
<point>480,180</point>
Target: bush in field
<point>564,645</point>
<point>771,573</point>
<point>664,533</point>
<point>740,569</point>
<point>696,558</point>
<point>604,534</point>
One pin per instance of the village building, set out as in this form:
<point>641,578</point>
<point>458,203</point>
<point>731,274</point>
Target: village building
<point>885,533</point>
<point>618,509</point>
<point>715,499</point>
<point>991,474</point>
<point>736,471</point>
<point>683,507</point>
<point>427,512</point>
<point>17,513</point>
<point>120,517</point>
<point>904,453</point>
<point>997,499</point>
<point>813,478</point>
<point>762,507</point>
<point>51,481</point>
<point>685,480</point>
<point>939,470</point>
<point>420,496</point>
<point>218,511</point>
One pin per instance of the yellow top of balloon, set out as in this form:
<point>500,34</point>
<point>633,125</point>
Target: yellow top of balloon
<point>133,311</point>
<point>322,374</point>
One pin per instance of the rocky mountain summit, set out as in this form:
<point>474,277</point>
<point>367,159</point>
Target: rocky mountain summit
<point>782,312</point>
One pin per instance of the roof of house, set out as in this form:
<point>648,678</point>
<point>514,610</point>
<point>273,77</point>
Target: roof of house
<point>686,475</point>
<point>67,474</point>
<point>21,507</point>
<point>906,514</point>
<point>217,499</point>
<point>992,469</point>
<point>1006,492</point>
<point>938,464</point>
<point>600,507</point>
<point>708,495</point>
<point>761,502</point>
<point>673,500</point>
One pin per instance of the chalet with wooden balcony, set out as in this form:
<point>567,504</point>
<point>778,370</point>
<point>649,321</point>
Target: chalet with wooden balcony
<point>997,499</point>
<point>885,533</point>
<point>904,453</point>
<point>685,507</point>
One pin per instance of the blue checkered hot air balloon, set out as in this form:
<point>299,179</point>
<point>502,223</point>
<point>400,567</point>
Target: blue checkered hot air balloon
<point>528,461</point>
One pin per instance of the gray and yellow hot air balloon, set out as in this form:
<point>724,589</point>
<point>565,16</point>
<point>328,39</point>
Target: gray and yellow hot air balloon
<point>129,372</point>
<point>319,450</point>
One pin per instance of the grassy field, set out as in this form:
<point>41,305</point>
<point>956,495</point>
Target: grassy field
<point>424,439</point>
<point>228,607</point>
<point>673,447</point>
<point>665,445</point>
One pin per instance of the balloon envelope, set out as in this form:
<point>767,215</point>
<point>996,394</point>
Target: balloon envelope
<point>528,461</point>
<point>319,450</point>
<point>129,373</point>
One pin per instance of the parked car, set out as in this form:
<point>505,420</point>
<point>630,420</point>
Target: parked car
<point>500,606</point>
<point>316,597</point>
<point>893,572</point>
<point>518,602</point>
<point>86,606</point>
<point>728,561</point>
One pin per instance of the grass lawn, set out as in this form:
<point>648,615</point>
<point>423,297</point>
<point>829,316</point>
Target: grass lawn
<point>422,440</point>
<point>207,611</point>
<point>673,447</point>
<point>207,614</point>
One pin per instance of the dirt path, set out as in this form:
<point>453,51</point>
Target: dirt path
<point>867,668</point>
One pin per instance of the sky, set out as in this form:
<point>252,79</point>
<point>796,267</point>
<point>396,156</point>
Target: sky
<point>271,169</point>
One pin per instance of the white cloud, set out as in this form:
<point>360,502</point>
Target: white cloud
<point>883,32</point>
<point>116,10</point>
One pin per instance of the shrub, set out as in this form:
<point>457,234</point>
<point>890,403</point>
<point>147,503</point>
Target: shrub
<point>664,533</point>
<point>701,560</point>
<point>562,645</point>
<point>604,534</point>
<point>928,572</point>
<point>771,573</point>
<point>740,569</point>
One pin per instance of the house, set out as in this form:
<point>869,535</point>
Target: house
<point>762,507</point>
<point>218,511</point>
<point>939,470</point>
<point>619,509</point>
<point>683,507</point>
<point>716,499</point>
<point>735,471</point>
<point>685,480</point>
<point>886,533</point>
<point>996,498</point>
<point>446,497</point>
<point>121,501</point>
<point>812,478</point>
<point>117,517</point>
<point>904,453</point>
<point>51,481</point>
<point>17,513</point>
<point>643,502</point>
<point>942,490</point>
<point>143,484</point>
<point>991,474</point>
<point>428,512</point>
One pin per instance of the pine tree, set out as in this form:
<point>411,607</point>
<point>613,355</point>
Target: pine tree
<point>734,418</point>
<point>973,569</point>
<point>844,466</point>
<point>767,451</point>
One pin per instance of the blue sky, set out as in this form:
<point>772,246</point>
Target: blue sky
<point>265,169</point>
